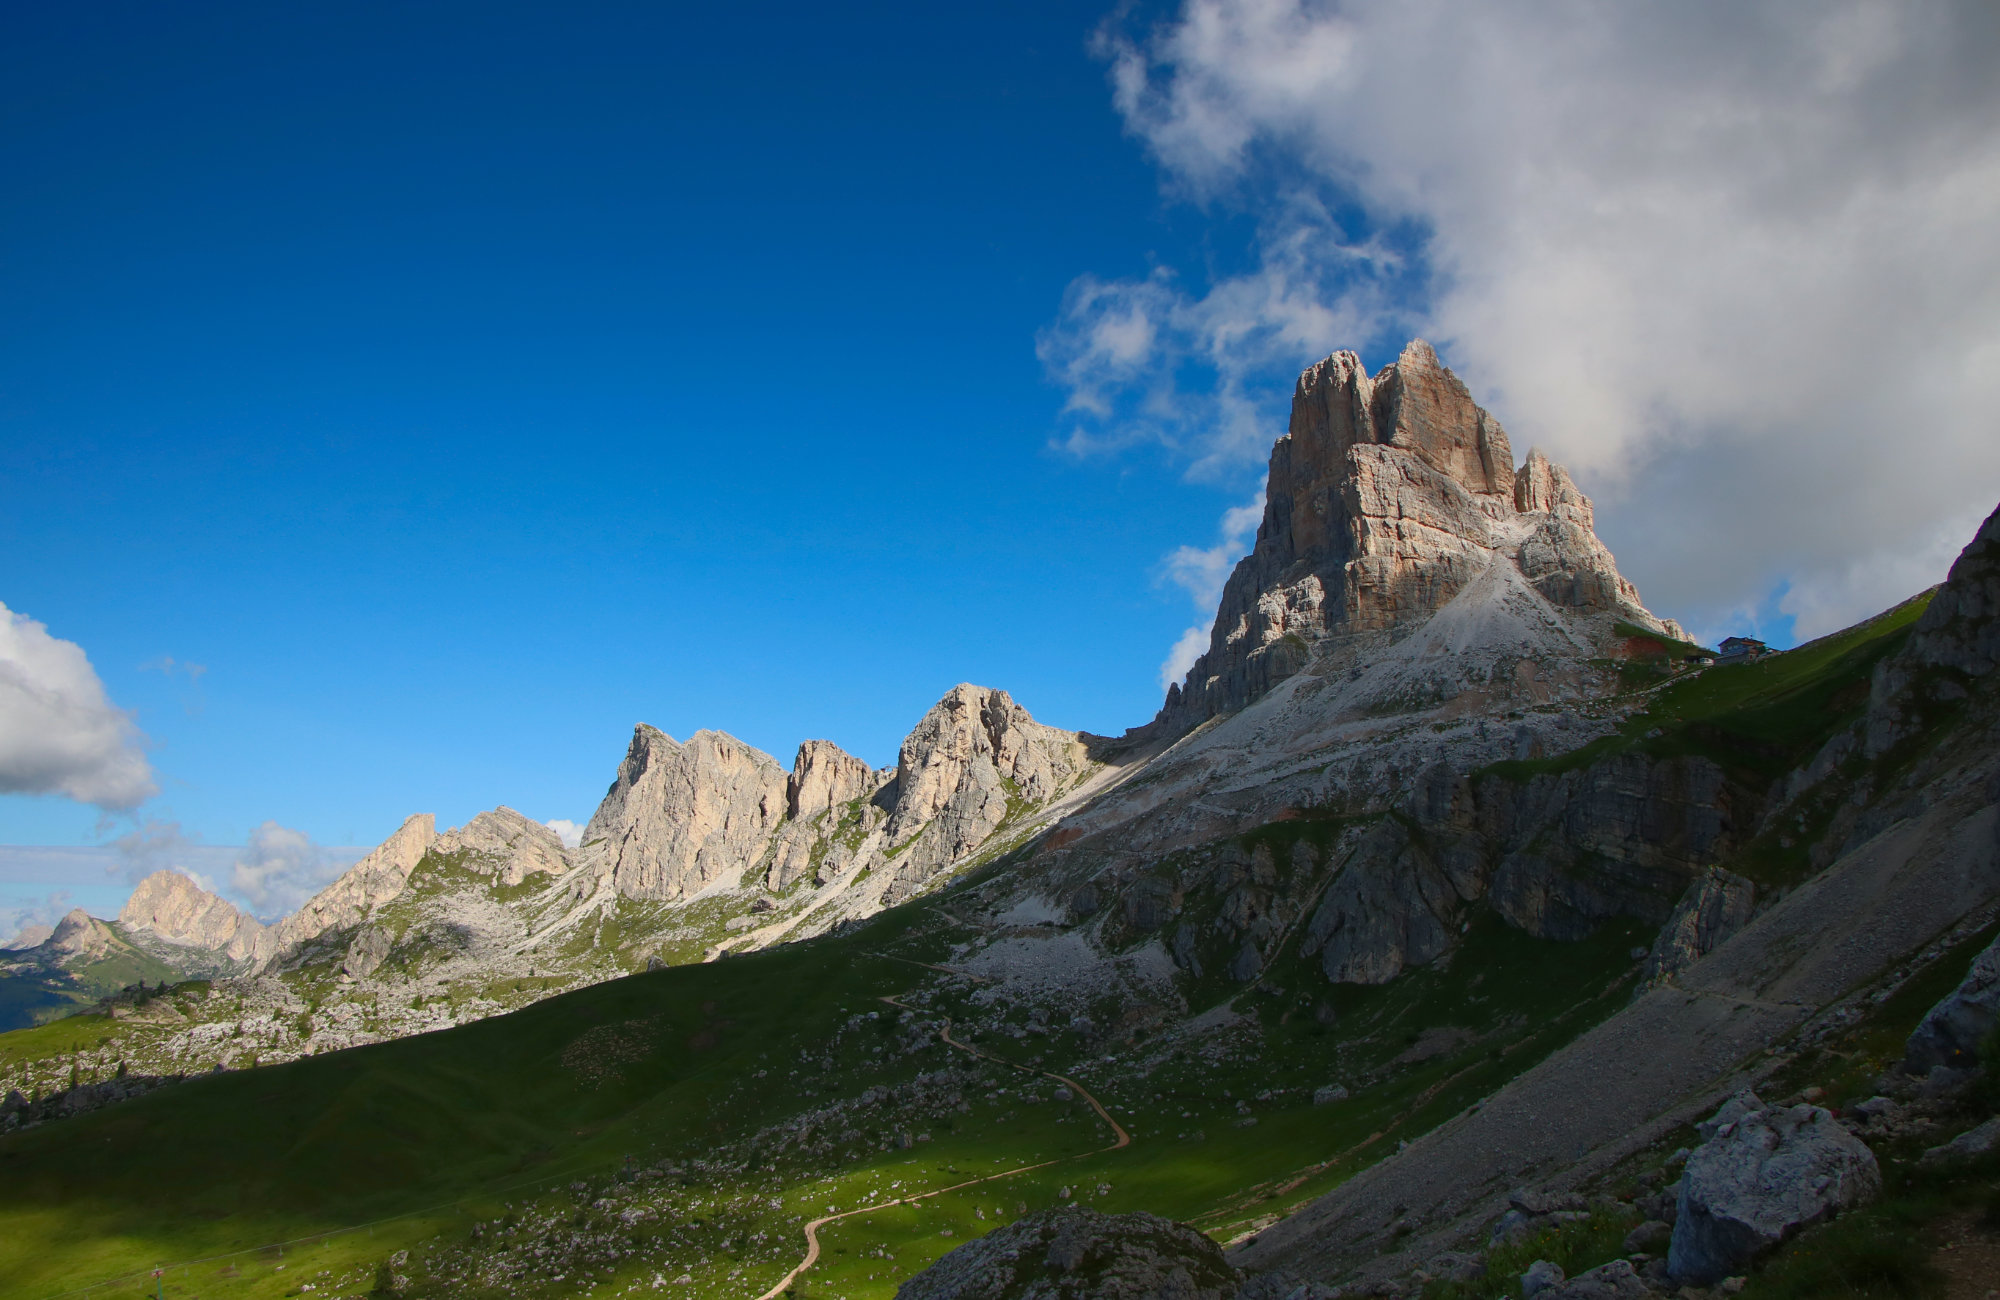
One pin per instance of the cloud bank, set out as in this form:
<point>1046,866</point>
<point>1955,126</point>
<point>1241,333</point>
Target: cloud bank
<point>59,733</point>
<point>1732,262</point>
<point>566,830</point>
<point>279,869</point>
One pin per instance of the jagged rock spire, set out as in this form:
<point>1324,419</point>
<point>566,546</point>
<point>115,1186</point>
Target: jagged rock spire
<point>1386,498</point>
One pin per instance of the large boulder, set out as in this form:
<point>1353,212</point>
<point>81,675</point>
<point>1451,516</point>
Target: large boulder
<point>1079,1254</point>
<point>1764,1173</point>
<point>1951,1032</point>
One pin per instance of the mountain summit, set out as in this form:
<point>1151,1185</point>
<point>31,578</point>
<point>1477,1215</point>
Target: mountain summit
<point>1386,499</point>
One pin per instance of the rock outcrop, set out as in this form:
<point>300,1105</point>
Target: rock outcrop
<point>79,937</point>
<point>1764,1173</point>
<point>824,776</point>
<point>974,759</point>
<point>680,818</point>
<point>171,906</point>
<point>1954,645</point>
<point>505,845</point>
<point>1952,1032</point>
<point>1387,497</point>
<point>1716,906</point>
<point>826,781</point>
<point>365,886</point>
<point>1556,855</point>
<point>1080,1254</point>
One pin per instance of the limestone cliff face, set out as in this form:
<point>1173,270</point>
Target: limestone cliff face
<point>824,776</point>
<point>365,886</point>
<point>682,817</point>
<point>970,755</point>
<point>825,781</point>
<point>1388,496</point>
<point>171,906</point>
<point>507,846</point>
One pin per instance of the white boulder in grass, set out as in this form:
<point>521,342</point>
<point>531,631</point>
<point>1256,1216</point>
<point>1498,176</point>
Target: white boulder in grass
<point>1765,1173</point>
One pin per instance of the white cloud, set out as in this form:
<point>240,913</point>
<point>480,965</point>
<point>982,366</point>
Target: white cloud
<point>1201,572</point>
<point>1189,648</point>
<point>279,869</point>
<point>59,734</point>
<point>1144,360</point>
<point>566,830</point>
<point>1732,262</point>
<point>24,923</point>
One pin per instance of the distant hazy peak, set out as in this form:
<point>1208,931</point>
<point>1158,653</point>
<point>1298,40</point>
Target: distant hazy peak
<point>171,905</point>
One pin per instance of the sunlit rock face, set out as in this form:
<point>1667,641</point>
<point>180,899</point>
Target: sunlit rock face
<point>1388,497</point>
<point>682,817</point>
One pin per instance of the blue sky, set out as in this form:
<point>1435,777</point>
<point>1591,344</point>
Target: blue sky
<point>456,385</point>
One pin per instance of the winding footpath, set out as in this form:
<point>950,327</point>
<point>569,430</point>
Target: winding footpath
<point>1120,1139</point>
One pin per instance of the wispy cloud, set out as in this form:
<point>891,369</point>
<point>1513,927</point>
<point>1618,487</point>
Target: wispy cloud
<point>59,732</point>
<point>566,830</point>
<point>192,699</point>
<point>155,845</point>
<point>1201,571</point>
<point>1732,262</point>
<point>1148,360</point>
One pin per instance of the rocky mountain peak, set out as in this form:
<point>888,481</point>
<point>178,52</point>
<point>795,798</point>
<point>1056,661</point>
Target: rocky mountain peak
<point>79,935</point>
<point>825,776</point>
<point>507,846</point>
<point>1387,497</point>
<point>970,759</point>
<point>30,936</point>
<point>680,818</point>
<point>365,886</point>
<point>171,906</point>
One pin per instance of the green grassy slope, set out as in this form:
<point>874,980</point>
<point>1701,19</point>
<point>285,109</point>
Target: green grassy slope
<point>30,996</point>
<point>664,1067</point>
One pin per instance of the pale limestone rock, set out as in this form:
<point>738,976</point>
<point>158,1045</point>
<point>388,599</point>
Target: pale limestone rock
<point>825,781</point>
<point>825,776</point>
<point>365,886</point>
<point>973,758</point>
<point>173,907</point>
<point>79,936</point>
<point>507,846</point>
<point>1760,1178</point>
<point>1952,1031</point>
<point>680,818</point>
<point>1387,498</point>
